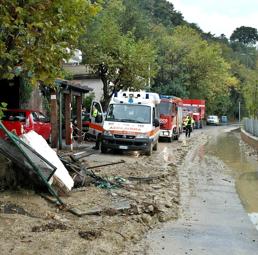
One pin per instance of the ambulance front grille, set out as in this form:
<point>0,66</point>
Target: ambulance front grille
<point>130,137</point>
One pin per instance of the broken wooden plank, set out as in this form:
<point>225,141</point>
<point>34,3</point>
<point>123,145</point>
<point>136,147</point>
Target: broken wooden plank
<point>115,208</point>
<point>77,156</point>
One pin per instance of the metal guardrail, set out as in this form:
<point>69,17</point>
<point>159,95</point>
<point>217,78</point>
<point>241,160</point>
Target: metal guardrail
<point>251,126</point>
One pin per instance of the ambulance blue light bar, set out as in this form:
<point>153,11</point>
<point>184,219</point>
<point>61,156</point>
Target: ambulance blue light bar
<point>166,96</point>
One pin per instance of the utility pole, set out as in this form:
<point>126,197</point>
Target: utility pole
<point>149,78</point>
<point>239,112</point>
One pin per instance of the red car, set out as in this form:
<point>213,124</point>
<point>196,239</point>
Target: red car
<point>22,121</point>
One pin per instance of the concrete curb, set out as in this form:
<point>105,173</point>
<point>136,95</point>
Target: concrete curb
<point>250,139</point>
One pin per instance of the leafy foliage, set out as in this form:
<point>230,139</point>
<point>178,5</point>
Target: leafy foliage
<point>34,36</point>
<point>250,91</point>
<point>161,12</point>
<point>134,21</point>
<point>131,44</point>
<point>245,35</point>
<point>121,60</point>
<point>87,100</point>
<point>194,66</point>
<point>2,107</point>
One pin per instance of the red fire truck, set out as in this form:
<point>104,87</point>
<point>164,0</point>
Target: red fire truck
<point>171,117</point>
<point>196,108</point>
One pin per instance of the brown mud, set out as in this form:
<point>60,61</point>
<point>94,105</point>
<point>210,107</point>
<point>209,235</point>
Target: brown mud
<point>115,218</point>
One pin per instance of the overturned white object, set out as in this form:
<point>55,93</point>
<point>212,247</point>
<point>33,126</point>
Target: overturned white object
<point>61,177</point>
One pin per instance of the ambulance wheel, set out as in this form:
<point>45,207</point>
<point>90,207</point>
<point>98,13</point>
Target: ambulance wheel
<point>155,147</point>
<point>149,152</point>
<point>103,149</point>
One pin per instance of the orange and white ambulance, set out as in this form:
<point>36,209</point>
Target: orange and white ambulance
<point>131,122</point>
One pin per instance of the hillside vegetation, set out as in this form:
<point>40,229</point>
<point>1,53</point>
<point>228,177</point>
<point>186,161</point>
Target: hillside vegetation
<point>139,44</point>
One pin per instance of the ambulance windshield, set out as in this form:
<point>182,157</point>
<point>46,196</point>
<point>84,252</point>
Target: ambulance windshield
<point>131,113</point>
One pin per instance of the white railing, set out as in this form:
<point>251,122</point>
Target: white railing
<point>251,126</point>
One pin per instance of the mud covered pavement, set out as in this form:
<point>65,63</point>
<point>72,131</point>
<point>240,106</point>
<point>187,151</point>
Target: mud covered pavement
<point>212,218</point>
<point>114,218</point>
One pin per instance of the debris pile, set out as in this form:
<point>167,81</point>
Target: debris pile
<point>59,174</point>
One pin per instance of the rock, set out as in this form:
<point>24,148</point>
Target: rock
<point>164,216</point>
<point>168,205</point>
<point>60,219</point>
<point>156,186</point>
<point>113,194</point>
<point>146,218</point>
<point>150,208</point>
<point>135,237</point>
<point>175,200</point>
<point>160,207</point>
<point>90,234</point>
<point>136,209</point>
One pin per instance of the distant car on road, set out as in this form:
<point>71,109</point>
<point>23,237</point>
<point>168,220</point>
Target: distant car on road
<point>224,119</point>
<point>22,121</point>
<point>212,120</point>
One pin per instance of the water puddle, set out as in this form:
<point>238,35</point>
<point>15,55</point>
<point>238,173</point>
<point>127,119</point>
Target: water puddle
<point>244,168</point>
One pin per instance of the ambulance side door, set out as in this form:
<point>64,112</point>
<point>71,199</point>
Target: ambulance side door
<point>96,122</point>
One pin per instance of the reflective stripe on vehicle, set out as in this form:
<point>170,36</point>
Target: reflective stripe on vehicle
<point>96,126</point>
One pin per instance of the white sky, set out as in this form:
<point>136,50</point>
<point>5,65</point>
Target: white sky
<point>219,16</point>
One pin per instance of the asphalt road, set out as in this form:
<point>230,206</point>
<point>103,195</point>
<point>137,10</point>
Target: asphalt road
<point>212,219</point>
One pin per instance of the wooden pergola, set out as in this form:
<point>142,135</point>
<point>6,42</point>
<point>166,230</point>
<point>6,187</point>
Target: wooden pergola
<point>61,109</point>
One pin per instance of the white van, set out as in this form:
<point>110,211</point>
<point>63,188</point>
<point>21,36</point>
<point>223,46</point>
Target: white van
<point>131,122</point>
<point>212,120</point>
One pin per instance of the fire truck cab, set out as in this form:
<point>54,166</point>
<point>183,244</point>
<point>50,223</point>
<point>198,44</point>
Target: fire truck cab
<point>171,118</point>
<point>196,108</point>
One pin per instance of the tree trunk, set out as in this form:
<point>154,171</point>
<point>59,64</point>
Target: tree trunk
<point>106,95</point>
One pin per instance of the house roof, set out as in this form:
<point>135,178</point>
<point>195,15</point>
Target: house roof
<point>73,86</point>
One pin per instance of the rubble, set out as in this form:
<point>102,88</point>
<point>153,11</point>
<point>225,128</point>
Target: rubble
<point>114,201</point>
<point>51,226</point>
<point>61,177</point>
<point>90,234</point>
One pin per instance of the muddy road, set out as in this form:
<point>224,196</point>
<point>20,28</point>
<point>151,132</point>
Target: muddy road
<point>172,188</point>
<point>215,201</point>
<point>113,217</point>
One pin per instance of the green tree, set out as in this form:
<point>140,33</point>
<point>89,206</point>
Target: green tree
<point>245,35</point>
<point>162,12</point>
<point>34,35</point>
<point>121,61</point>
<point>2,107</point>
<point>250,91</point>
<point>87,100</point>
<point>134,20</point>
<point>197,66</point>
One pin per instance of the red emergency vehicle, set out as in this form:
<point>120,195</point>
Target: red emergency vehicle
<point>171,117</point>
<point>196,109</point>
<point>22,121</point>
